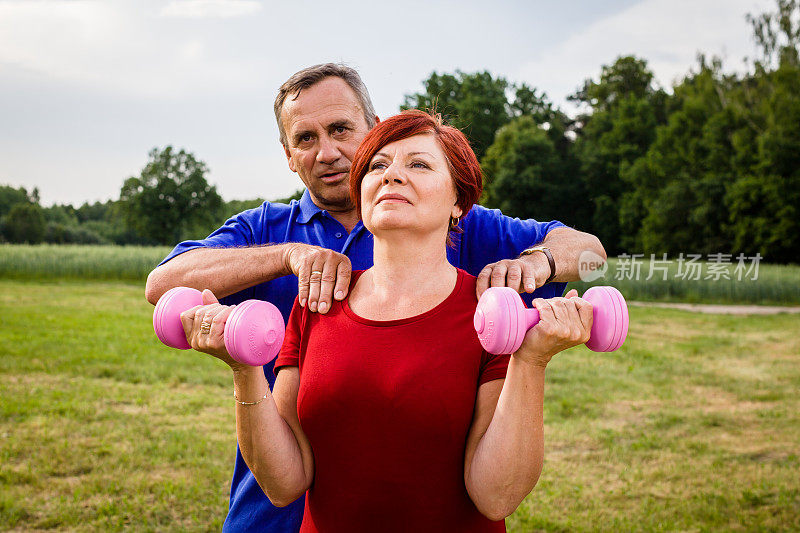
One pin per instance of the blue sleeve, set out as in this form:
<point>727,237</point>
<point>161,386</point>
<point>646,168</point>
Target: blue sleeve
<point>244,229</point>
<point>490,236</point>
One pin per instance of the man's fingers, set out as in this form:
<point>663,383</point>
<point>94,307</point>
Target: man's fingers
<point>499,274</point>
<point>528,278</point>
<point>483,280</point>
<point>514,276</point>
<point>327,283</point>
<point>303,273</point>
<point>343,270</point>
<point>314,281</point>
<point>571,294</point>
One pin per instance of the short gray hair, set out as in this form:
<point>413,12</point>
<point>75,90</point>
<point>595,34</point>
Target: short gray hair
<point>311,75</point>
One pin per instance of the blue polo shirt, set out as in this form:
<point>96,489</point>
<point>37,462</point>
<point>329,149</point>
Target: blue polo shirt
<point>488,236</point>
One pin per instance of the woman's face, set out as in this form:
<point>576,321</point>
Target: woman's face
<point>408,186</point>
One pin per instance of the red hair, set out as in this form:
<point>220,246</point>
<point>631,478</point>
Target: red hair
<point>461,160</point>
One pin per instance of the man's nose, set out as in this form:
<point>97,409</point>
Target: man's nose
<point>328,151</point>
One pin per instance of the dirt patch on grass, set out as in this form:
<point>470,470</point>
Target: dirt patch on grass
<point>721,309</point>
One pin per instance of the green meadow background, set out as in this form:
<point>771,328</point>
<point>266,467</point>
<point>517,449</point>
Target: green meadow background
<point>693,425</point>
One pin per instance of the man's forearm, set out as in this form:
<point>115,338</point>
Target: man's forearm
<point>567,245</point>
<point>223,270</point>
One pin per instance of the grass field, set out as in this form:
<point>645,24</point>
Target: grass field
<point>692,426</point>
<point>49,261</point>
<point>775,284</point>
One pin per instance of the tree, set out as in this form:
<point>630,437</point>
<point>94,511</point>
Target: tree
<point>528,177</point>
<point>296,195</point>
<point>777,35</point>
<point>171,199</point>
<point>474,103</point>
<point>482,106</point>
<point>625,109</point>
<point>24,223</point>
<point>95,211</point>
<point>764,203</point>
<point>234,207</point>
<point>673,200</point>
<point>723,174</point>
<point>627,76</point>
<point>11,196</point>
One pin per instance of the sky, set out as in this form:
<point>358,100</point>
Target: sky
<point>88,88</point>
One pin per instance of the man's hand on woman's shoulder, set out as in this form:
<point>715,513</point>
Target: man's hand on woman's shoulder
<point>322,275</point>
<point>524,274</point>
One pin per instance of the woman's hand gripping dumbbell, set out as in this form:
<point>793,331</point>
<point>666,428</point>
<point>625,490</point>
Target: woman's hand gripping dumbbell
<point>502,320</point>
<point>253,332</point>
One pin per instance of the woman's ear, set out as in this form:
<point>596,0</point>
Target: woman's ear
<point>456,212</point>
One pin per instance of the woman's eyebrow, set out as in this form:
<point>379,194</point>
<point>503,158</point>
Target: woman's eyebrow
<point>382,154</point>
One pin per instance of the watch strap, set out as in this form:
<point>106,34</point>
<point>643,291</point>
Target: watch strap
<point>546,251</point>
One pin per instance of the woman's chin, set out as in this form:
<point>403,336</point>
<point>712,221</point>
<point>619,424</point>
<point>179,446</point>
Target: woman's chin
<point>390,225</point>
<point>391,228</point>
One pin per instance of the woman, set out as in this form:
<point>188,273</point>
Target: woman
<point>386,409</point>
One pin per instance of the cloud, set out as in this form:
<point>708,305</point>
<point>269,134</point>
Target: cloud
<point>667,33</point>
<point>126,49</point>
<point>210,8</point>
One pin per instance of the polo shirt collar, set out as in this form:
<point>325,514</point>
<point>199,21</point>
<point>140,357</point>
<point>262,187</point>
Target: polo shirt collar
<point>307,208</point>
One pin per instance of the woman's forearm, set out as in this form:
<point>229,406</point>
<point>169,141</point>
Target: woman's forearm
<point>268,444</point>
<point>508,458</point>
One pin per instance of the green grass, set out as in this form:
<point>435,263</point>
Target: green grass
<point>693,425</point>
<point>48,261</point>
<point>102,427</point>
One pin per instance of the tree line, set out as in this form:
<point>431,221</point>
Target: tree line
<point>711,166</point>
<point>170,201</point>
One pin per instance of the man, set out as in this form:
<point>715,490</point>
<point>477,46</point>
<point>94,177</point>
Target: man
<point>323,113</point>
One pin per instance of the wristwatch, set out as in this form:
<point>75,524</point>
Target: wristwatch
<point>546,251</point>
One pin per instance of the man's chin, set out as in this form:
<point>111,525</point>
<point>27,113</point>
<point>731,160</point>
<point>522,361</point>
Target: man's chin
<point>331,201</point>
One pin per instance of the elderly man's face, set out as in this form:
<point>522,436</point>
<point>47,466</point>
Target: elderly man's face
<point>324,125</point>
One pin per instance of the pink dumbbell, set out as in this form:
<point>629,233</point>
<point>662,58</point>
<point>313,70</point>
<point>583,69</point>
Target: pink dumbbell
<point>253,332</point>
<point>502,319</point>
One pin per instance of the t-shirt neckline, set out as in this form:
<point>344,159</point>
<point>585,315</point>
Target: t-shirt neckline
<point>460,274</point>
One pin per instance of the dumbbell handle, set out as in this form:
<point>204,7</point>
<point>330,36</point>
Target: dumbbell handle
<point>531,317</point>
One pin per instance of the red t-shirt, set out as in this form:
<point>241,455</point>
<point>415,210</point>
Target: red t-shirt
<point>387,406</point>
